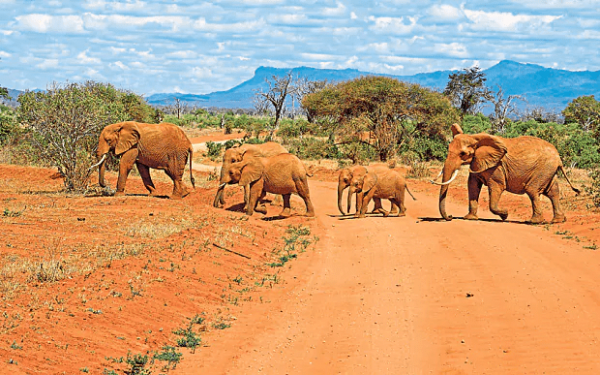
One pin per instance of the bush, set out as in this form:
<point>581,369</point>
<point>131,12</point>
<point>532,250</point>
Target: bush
<point>214,150</point>
<point>313,148</point>
<point>594,189</point>
<point>426,148</point>
<point>474,124</point>
<point>66,120</point>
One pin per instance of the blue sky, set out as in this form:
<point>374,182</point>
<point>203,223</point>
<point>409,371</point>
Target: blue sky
<point>200,47</point>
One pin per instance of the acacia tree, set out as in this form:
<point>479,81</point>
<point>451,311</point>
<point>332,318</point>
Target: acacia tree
<point>467,90</point>
<point>280,88</point>
<point>503,107</point>
<point>389,110</point>
<point>584,110</point>
<point>66,121</point>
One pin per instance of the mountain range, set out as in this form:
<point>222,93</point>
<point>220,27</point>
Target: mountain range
<point>551,89</point>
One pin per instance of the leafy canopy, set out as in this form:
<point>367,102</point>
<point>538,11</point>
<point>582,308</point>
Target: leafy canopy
<point>467,90</point>
<point>391,111</point>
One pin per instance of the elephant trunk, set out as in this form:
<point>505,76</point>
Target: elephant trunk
<point>351,191</point>
<point>340,194</point>
<point>449,173</point>
<point>219,195</point>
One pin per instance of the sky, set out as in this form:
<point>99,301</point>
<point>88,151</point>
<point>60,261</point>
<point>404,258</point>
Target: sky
<point>198,47</point>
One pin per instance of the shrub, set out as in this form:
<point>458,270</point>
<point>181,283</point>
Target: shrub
<point>594,188</point>
<point>214,150</point>
<point>313,148</point>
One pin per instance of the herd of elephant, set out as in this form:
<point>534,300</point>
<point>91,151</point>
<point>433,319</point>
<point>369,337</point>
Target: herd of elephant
<point>522,165</point>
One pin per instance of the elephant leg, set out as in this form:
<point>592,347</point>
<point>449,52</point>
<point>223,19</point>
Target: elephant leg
<point>179,190</point>
<point>365,203</point>
<point>256,190</point>
<point>379,208</point>
<point>474,186</point>
<point>360,197</point>
<point>304,193</point>
<point>399,201</point>
<point>145,173</point>
<point>287,208</point>
<point>553,193</point>
<point>395,210</point>
<point>495,192</point>
<point>260,206</point>
<point>125,165</point>
<point>536,206</point>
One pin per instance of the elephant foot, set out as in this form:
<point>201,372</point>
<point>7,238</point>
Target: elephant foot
<point>401,214</point>
<point>310,214</point>
<point>119,194</point>
<point>261,208</point>
<point>537,220</point>
<point>471,216</point>
<point>559,219</point>
<point>285,213</point>
<point>504,215</point>
<point>359,216</point>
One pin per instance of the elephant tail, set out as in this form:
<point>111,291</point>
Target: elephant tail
<point>191,154</point>
<point>409,193</point>
<point>577,191</point>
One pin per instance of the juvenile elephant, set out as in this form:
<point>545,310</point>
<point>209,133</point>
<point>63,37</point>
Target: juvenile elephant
<point>160,146</point>
<point>522,165</point>
<point>236,154</point>
<point>280,174</point>
<point>379,183</point>
<point>344,179</point>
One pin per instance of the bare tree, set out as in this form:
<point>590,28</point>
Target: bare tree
<point>503,108</point>
<point>279,90</point>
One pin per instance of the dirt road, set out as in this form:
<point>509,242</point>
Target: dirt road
<point>415,295</point>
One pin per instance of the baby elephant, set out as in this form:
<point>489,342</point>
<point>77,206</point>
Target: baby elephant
<point>382,184</point>
<point>280,174</point>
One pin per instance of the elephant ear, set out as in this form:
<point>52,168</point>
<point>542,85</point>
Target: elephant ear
<point>490,150</point>
<point>456,130</point>
<point>252,170</point>
<point>369,182</point>
<point>129,136</point>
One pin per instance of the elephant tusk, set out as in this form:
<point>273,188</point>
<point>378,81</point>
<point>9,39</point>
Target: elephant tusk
<point>438,176</point>
<point>447,182</point>
<point>222,185</point>
<point>97,164</point>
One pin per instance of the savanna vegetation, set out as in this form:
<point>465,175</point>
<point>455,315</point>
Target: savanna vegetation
<point>367,119</point>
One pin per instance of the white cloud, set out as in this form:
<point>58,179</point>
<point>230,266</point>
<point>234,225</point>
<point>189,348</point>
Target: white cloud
<point>317,56</point>
<point>291,19</point>
<point>115,5</point>
<point>83,58</point>
<point>444,12</point>
<point>6,32</point>
<point>4,54</point>
<point>452,49</point>
<point>48,64</point>
<point>201,72</point>
<point>393,25</point>
<point>503,21</point>
<point>119,65</point>
<point>262,2</point>
<point>183,54</point>
<point>102,22</point>
<point>339,10</point>
<point>202,25</point>
<point>557,4</point>
<point>44,23</point>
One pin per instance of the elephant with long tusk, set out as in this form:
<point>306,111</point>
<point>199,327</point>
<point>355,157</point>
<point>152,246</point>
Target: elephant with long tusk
<point>160,146</point>
<point>522,165</point>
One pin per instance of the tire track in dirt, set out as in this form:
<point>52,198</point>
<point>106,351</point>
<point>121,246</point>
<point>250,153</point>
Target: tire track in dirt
<point>417,296</point>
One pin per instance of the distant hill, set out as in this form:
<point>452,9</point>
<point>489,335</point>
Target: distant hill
<point>551,89</point>
<point>548,88</point>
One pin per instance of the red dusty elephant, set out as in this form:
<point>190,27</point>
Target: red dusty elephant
<point>522,165</point>
<point>160,146</point>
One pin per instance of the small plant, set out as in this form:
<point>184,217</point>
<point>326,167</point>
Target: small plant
<point>221,325</point>
<point>84,369</point>
<point>109,372</point>
<point>10,213</point>
<point>16,346</point>
<point>188,339</point>
<point>169,355</point>
<point>137,362</point>
<point>214,150</point>
<point>594,188</point>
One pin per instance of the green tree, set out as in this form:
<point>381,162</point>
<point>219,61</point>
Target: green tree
<point>584,110</point>
<point>66,121</point>
<point>4,93</point>
<point>389,111</point>
<point>467,90</point>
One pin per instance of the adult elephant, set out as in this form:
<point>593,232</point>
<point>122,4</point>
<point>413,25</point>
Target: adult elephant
<point>235,154</point>
<point>344,179</point>
<point>523,165</point>
<point>160,146</point>
<point>283,174</point>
